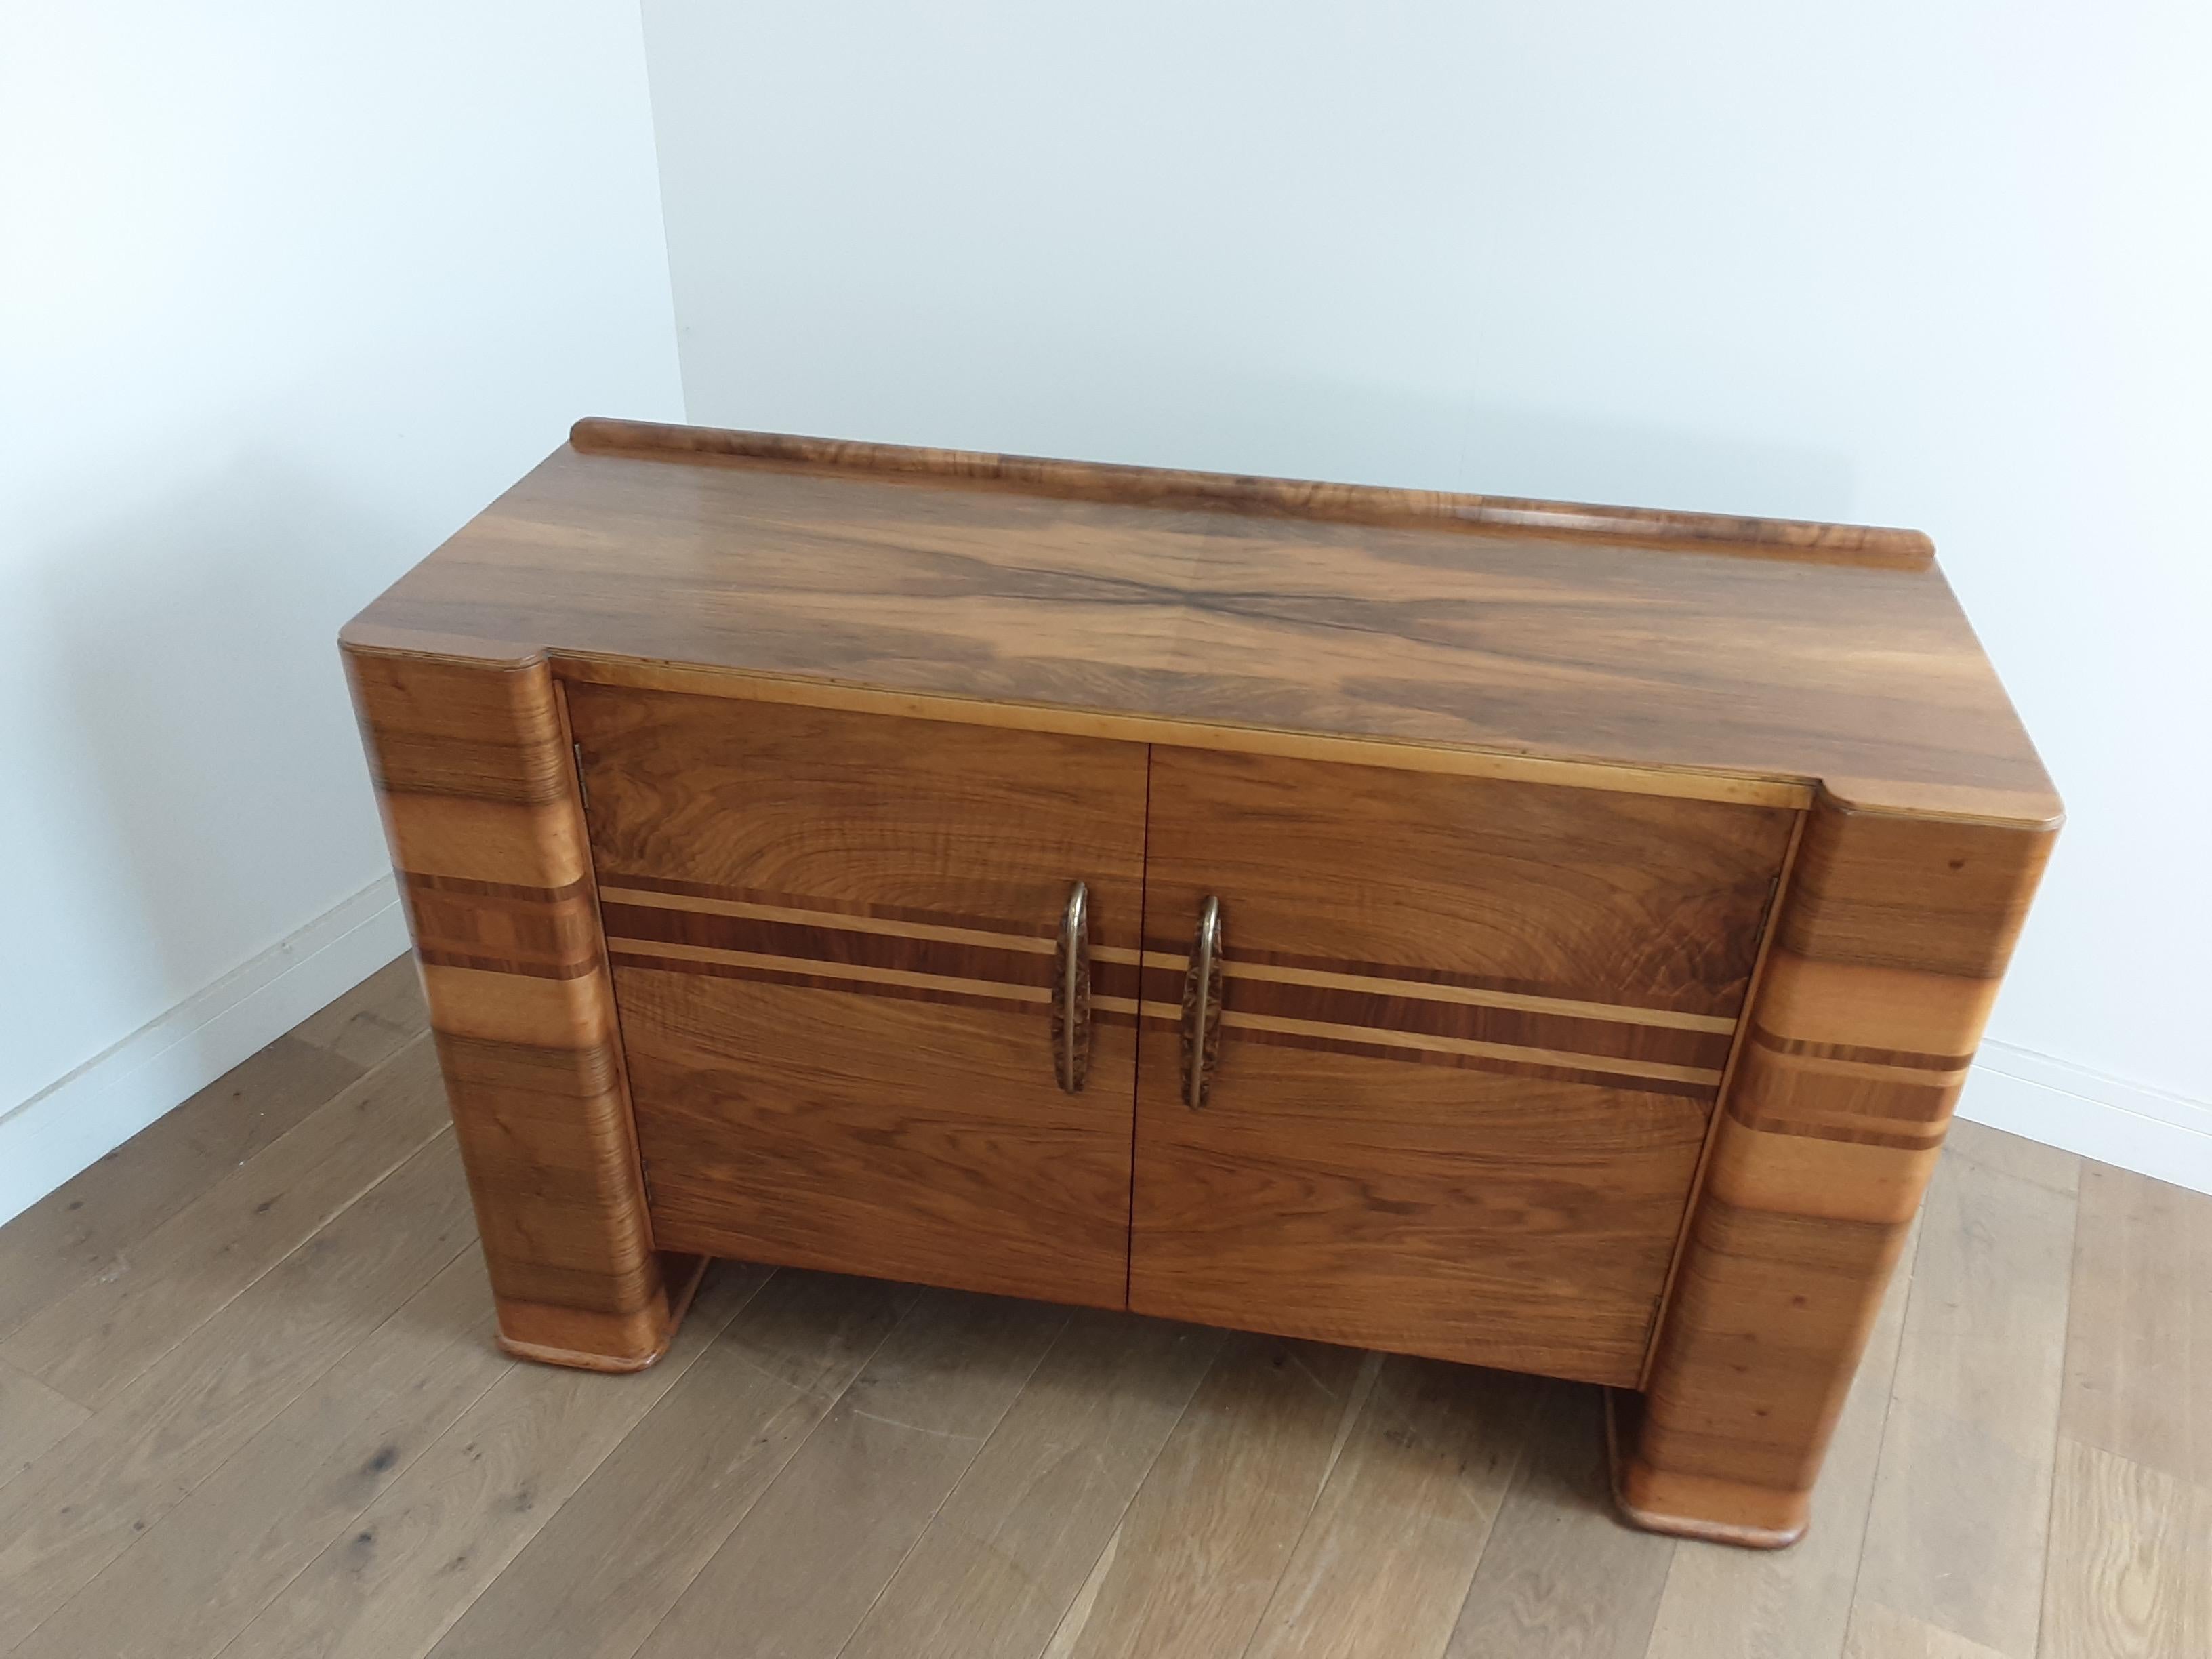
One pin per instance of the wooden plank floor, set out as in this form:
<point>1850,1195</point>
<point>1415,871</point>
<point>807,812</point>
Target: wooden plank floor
<point>249,1406</point>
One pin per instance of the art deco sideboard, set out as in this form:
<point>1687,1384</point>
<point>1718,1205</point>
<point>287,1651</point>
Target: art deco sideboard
<point>1538,936</point>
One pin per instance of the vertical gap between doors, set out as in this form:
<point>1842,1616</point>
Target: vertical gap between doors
<point>1137,1067</point>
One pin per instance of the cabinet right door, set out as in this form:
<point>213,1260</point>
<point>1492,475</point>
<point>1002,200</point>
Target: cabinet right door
<point>1456,1060</point>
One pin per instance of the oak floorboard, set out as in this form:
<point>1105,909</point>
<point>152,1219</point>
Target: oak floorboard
<point>1189,1570</point>
<point>248,1528</point>
<point>1723,1603</point>
<point>89,1222</point>
<point>411,1563</point>
<point>1880,1632</point>
<point>615,1558</point>
<point>802,1569</point>
<point>374,1020</point>
<point>2139,1350</point>
<point>1005,1555</point>
<point>1561,1575</point>
<point>91,1342</point>
<point>2014,1155</point>
<point>1384,1563</point>
<point>1955,1533</point>
<point>2131,1561</point>
<point>140,1456</point>
<point>32,1417</point>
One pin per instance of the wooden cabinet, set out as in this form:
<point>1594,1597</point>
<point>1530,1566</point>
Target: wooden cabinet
<point>1535,936</point>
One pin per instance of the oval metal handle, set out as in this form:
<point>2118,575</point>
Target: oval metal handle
<point>1201,1005</point>
<point>1071,992</point>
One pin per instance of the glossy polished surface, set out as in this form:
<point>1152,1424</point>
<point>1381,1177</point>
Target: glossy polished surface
<point>1771,661</point>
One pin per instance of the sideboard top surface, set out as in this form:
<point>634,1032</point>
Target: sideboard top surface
<point>1831,657</point>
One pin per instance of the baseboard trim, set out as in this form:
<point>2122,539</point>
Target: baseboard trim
<point>2107,1118</point>
<point>79,1118</point>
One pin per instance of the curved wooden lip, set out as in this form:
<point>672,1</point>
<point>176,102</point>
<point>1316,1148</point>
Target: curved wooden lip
<point>1801,540</point>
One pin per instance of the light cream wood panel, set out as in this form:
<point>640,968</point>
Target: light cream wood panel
<point>433,1539</point>
<point>245,1530</point>
<point>1189,1572</point>
<point>90,1344</point>
<point>1561,1574</point>
<point>1384,1562</point>
<point>2139,1351</point>
<point>609,1564</point>
<point>1757,1604</point>
<point>1956,1533</point>
<point>803,1567</point>
<point>84,1227</point>
<point>89,1499</point>
<point>1007,1554</point>
<point>2131,1575</point>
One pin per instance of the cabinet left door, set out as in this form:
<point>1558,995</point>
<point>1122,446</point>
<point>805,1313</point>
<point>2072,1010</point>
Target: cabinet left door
<point>853,989</point>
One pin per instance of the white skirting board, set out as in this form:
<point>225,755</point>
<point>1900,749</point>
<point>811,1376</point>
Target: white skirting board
<point>109,1098</point>
<point>76,1120</point>
<point>2106,1118</point>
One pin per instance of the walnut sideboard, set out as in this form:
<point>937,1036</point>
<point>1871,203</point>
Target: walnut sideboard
<point>1538,936</point>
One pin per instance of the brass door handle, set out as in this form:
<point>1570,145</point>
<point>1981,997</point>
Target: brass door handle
<point>1201,1007</point>
<point>1071,992</point>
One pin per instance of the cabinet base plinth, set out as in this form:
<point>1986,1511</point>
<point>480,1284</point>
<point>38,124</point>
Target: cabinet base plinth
<point>604,1342</point>
<point>1695,1506</point>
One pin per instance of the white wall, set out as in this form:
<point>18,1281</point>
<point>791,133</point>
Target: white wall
<point>1939,263</point>
<point>286,294</point>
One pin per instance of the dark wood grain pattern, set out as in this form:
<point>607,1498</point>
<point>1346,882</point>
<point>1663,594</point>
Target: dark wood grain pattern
<point>1625,660</point>
<point>834,940</point>
<point>472,769</point>
<point>1516,1204</point>
<point>1613,902</point>
<point>1342,503</point>
<point>1886,958</point>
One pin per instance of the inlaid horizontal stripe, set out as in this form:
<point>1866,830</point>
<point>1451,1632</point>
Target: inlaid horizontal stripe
<point>1429,987</point>
<point>1873,1066</point>
<point>432,956</point>
<point>1900,1059</point>
<point>1377,1036</point>
<point>817,908</point>
<point>1347,1006</point>
<point>807,976</point>
<point>805,941</point>
<point>843,971</point>
<point>1359,1046</point>
<point>841,919</point>
<point>418,882</point>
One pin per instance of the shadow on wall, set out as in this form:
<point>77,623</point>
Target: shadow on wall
<point>195,656</point>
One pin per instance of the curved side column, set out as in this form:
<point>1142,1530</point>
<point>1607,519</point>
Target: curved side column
<point>1887,956</point>
<point>471,763</point>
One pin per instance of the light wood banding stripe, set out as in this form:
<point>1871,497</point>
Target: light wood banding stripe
<point>845,922</point>
<point>1382,1038</point>
<point>816,968</point>
<point>841,950</point>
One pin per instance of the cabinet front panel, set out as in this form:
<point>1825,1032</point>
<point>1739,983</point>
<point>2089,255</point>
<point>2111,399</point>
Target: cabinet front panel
<point>1470,1035</point>
<point>834,940</point>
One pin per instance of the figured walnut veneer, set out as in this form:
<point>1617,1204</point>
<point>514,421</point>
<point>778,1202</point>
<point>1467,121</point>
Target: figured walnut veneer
<point>1611,903</point>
